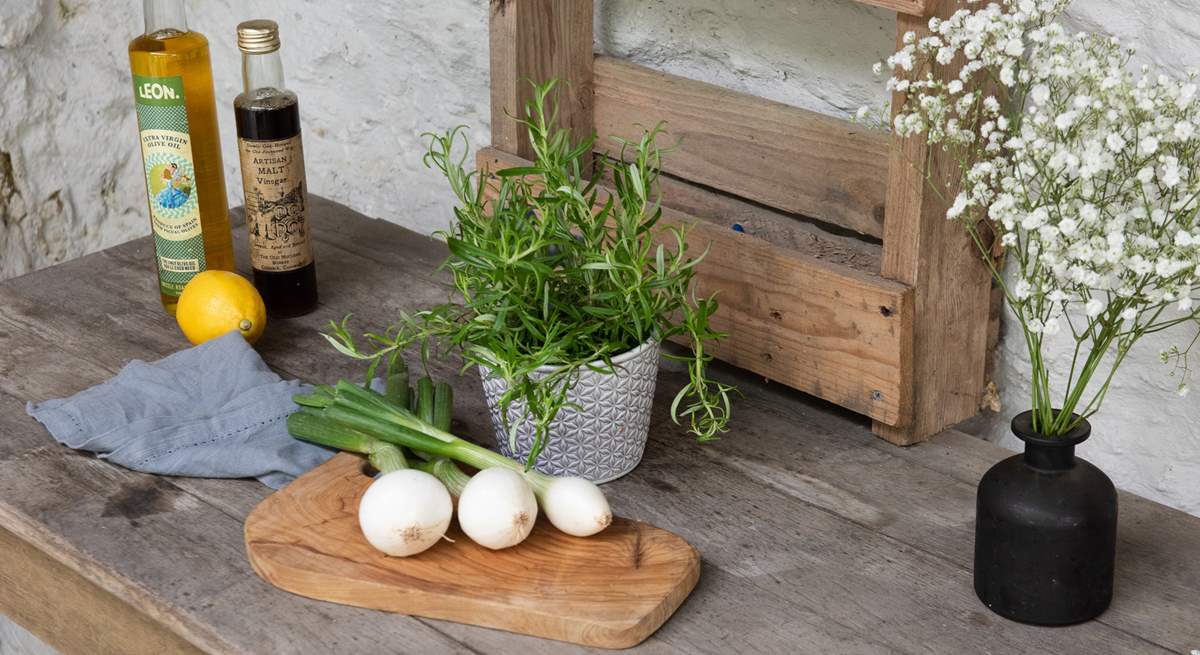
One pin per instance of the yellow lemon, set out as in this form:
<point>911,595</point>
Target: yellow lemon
<point>217,302</point>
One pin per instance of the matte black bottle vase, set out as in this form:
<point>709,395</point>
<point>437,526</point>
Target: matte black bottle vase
<point>1045,532</point>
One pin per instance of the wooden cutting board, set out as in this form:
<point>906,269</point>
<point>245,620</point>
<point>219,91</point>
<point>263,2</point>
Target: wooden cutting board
<point>611,590</point>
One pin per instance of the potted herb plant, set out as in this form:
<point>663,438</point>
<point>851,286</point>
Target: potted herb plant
<point>1086,173</point>
<point>562,295</point>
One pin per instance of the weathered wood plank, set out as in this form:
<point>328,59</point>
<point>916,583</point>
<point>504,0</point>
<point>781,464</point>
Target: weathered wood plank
<point>827,329</point>
<point>816,537</point>
<point>788,231</point>
<point>533,41</point>
<point>754,520</point>
<point>84,618</point>
<point>791,159</point>
<point>169,556</point>
<point>951,285</point>
<point>1155,579</point>
<point>912,7</point>
<point>881,487</point>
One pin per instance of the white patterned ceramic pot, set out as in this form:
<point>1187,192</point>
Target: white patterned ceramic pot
<point>605,439</point>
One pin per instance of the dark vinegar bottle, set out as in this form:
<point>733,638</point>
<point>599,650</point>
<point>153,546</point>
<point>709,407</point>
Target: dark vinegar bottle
<point>268,129</point>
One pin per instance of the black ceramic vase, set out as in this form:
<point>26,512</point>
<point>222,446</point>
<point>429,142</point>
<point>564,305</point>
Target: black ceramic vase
<point>1045,532</point>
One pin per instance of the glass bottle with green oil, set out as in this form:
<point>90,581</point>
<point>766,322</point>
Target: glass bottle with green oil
<point>181,149</point>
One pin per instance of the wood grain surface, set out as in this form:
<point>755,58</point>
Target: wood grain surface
<point>85,618</point>
<point>791,159</point>
<point>537,41</point>
<point>816,537</point>
<point>611,590</point>
<point>913,7</point>
<point>952,289</point>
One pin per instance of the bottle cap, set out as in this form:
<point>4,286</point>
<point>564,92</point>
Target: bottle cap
<point>258,37</point>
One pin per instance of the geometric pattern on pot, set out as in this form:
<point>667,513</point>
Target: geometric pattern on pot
<point>605,439</point>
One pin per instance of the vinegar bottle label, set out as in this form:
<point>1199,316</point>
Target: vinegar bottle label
<point>170,180</point>
<point>276,204</point>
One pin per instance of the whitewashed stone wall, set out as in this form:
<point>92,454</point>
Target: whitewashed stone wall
<point>373,74</point>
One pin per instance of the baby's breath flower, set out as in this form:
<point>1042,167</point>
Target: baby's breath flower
<point>960,204</point>
<point>1085,168</point>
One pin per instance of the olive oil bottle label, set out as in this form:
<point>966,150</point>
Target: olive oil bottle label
<point>276,204</point>
<point>170,180</point>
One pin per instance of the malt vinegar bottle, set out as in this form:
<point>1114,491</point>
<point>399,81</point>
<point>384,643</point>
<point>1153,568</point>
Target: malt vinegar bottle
<point>268,128</point>
<point>181,149</point>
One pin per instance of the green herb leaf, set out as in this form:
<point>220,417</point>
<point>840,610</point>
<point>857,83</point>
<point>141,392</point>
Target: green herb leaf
<point>549,268</point>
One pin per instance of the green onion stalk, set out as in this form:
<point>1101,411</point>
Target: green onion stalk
<point>343,414</point>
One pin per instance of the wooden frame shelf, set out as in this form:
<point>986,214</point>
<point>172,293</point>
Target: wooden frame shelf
<point>844,279</point>
<point>791,159</point>
<point>911,7</point>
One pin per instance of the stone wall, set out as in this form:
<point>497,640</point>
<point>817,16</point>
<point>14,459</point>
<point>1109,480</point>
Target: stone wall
<point>372,75</point>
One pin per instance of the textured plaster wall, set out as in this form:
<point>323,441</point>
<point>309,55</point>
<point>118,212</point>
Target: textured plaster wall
<point>374,74</point>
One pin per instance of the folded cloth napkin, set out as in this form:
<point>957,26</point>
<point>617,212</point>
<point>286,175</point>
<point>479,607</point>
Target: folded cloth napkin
<point>214,411</point>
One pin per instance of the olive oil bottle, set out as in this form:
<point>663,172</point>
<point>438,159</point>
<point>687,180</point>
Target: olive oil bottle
<point>181,149</point>
<point>277,210</point>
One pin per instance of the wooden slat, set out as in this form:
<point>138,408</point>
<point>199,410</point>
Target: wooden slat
<point>794,160</point>
<point>535,41</point>
<point>951,285</point>
<point>85,618</point>
<point>784,230</point>
<point>912,7</point>
<point>824,328</point>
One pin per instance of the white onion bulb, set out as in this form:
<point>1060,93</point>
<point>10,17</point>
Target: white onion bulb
<point>576,506</point>
<point>497,508</point>
<point>405,512</point>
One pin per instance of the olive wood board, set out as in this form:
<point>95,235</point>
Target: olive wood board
<point>611,590</point>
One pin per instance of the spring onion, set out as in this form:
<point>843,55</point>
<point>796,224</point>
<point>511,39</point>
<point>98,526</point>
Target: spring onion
<point>440,467</point>
<point>497,509</point>
<point>404,511</point>
<point>574,505</point>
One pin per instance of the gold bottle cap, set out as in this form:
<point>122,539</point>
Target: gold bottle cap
<point>258,37</point>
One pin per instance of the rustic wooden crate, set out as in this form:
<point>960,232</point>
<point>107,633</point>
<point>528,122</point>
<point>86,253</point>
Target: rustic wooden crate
<point>849,284</point>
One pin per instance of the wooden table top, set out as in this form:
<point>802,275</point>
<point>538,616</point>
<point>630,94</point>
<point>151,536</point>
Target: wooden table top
<point>816,536</point>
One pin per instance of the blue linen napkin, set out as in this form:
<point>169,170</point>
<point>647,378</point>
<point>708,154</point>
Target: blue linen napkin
<point>215,410</point>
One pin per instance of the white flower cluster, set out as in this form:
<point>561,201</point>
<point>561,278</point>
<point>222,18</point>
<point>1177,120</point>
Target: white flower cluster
<point>1086,169</point>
